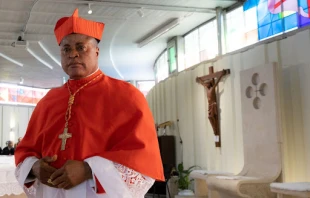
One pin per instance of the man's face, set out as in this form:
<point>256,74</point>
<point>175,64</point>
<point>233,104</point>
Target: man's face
<point>79,55</point>
<point>10,145</point>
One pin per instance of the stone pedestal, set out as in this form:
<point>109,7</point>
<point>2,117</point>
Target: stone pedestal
<point>298,189</point>
<point>201,188</point>
<point>173,187</point>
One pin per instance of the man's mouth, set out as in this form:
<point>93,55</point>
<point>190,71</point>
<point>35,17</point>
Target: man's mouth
<point>73,65</point>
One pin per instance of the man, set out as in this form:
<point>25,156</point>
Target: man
<point>9,149</point>
<point>92,137</point>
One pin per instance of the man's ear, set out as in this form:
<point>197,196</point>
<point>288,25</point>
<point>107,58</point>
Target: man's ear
<point>97,51</point>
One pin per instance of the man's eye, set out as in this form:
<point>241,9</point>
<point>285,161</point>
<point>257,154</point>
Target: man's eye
<point>66,49</point>
<point>80,48</point>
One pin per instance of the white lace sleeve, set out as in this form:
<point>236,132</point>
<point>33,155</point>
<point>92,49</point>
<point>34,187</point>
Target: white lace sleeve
<point>137,183</point>
<point>21,173</point>
<point>117,180</point>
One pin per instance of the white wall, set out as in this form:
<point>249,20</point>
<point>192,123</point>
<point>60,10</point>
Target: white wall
<point>15,118</point>
<point>180,97</point>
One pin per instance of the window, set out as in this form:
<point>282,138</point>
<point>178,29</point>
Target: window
<point>276,17</point>
<point>13,94</point>
<point>145,86</point>
<point>255,20</point>
<point>192,49</point>
<point>241,28</point>
<point>304,16</point>
<point>273,18</point>
<point>172,60</point>
<point>161,67</point>
<point>208,44</point>
<point>250,26</point>
<point>235,30</point>
<point>201,44</point>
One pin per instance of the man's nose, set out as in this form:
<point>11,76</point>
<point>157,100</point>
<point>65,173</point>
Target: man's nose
<point>74,53</point>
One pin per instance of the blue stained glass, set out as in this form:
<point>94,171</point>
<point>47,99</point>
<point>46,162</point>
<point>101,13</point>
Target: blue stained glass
<point>290,22</point>
<point>276,16</point>
<point>249,4</point>
<point>272,22</point>
<point>303,17</point>
<point>277,27</point>
<point>14,98</point>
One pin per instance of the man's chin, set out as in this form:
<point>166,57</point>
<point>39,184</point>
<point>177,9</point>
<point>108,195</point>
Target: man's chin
<point>76,75</point>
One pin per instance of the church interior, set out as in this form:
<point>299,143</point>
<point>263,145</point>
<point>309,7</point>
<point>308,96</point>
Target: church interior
<point>226,82</point>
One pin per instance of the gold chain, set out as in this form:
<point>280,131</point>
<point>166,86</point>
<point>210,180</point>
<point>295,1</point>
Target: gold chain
<point>71,100</point>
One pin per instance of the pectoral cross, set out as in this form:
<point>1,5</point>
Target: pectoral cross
<point>64,136</point>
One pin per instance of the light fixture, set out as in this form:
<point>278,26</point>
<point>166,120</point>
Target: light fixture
<point>48,53</point>
<point>21,80</point>
<point>12,135</point>
<point>11,59</point>
<point>12,121</point>
<point>157,33</point>
<point>89,9</point>
<point>38,58</point>
<point>140,13</point>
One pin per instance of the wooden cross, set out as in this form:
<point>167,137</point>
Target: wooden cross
<point>64,136</point>
<point>213,114</point>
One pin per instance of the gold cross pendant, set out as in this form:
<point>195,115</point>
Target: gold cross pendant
<point>64,136</point>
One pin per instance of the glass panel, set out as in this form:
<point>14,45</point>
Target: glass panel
<point>191,49</point>
<point>304,15</point>
<point>145,86</point>
<point>250,19</point>
<point>235,38</point>
<point>172,59</point>
<point>162,67</point>
<point>249,4</point>
<point>276,17</point>
<point>208,43</point>
<point>14,94</point>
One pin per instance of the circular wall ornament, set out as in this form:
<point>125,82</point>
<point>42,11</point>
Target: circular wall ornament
<point>249,92</point>
<point>255,79</point>
<point>257,103</point>
<point>263,89</point>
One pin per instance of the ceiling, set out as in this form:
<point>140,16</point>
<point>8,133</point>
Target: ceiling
<point>120,56</point>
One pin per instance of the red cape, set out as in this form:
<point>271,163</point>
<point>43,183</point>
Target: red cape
<point>110,118</point>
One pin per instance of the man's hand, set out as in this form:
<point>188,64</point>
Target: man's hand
<point>71,174</point>
<point>42,170</point>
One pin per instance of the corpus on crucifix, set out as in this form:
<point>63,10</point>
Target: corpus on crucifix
<point>210,82</point>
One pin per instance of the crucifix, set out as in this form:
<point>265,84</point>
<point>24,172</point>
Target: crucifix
<point>64,136</point>
<point>209,82</point>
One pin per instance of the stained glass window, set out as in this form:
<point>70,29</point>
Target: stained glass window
<point>276,16</point>
<point>13,94</point>
<point>304,15</point>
